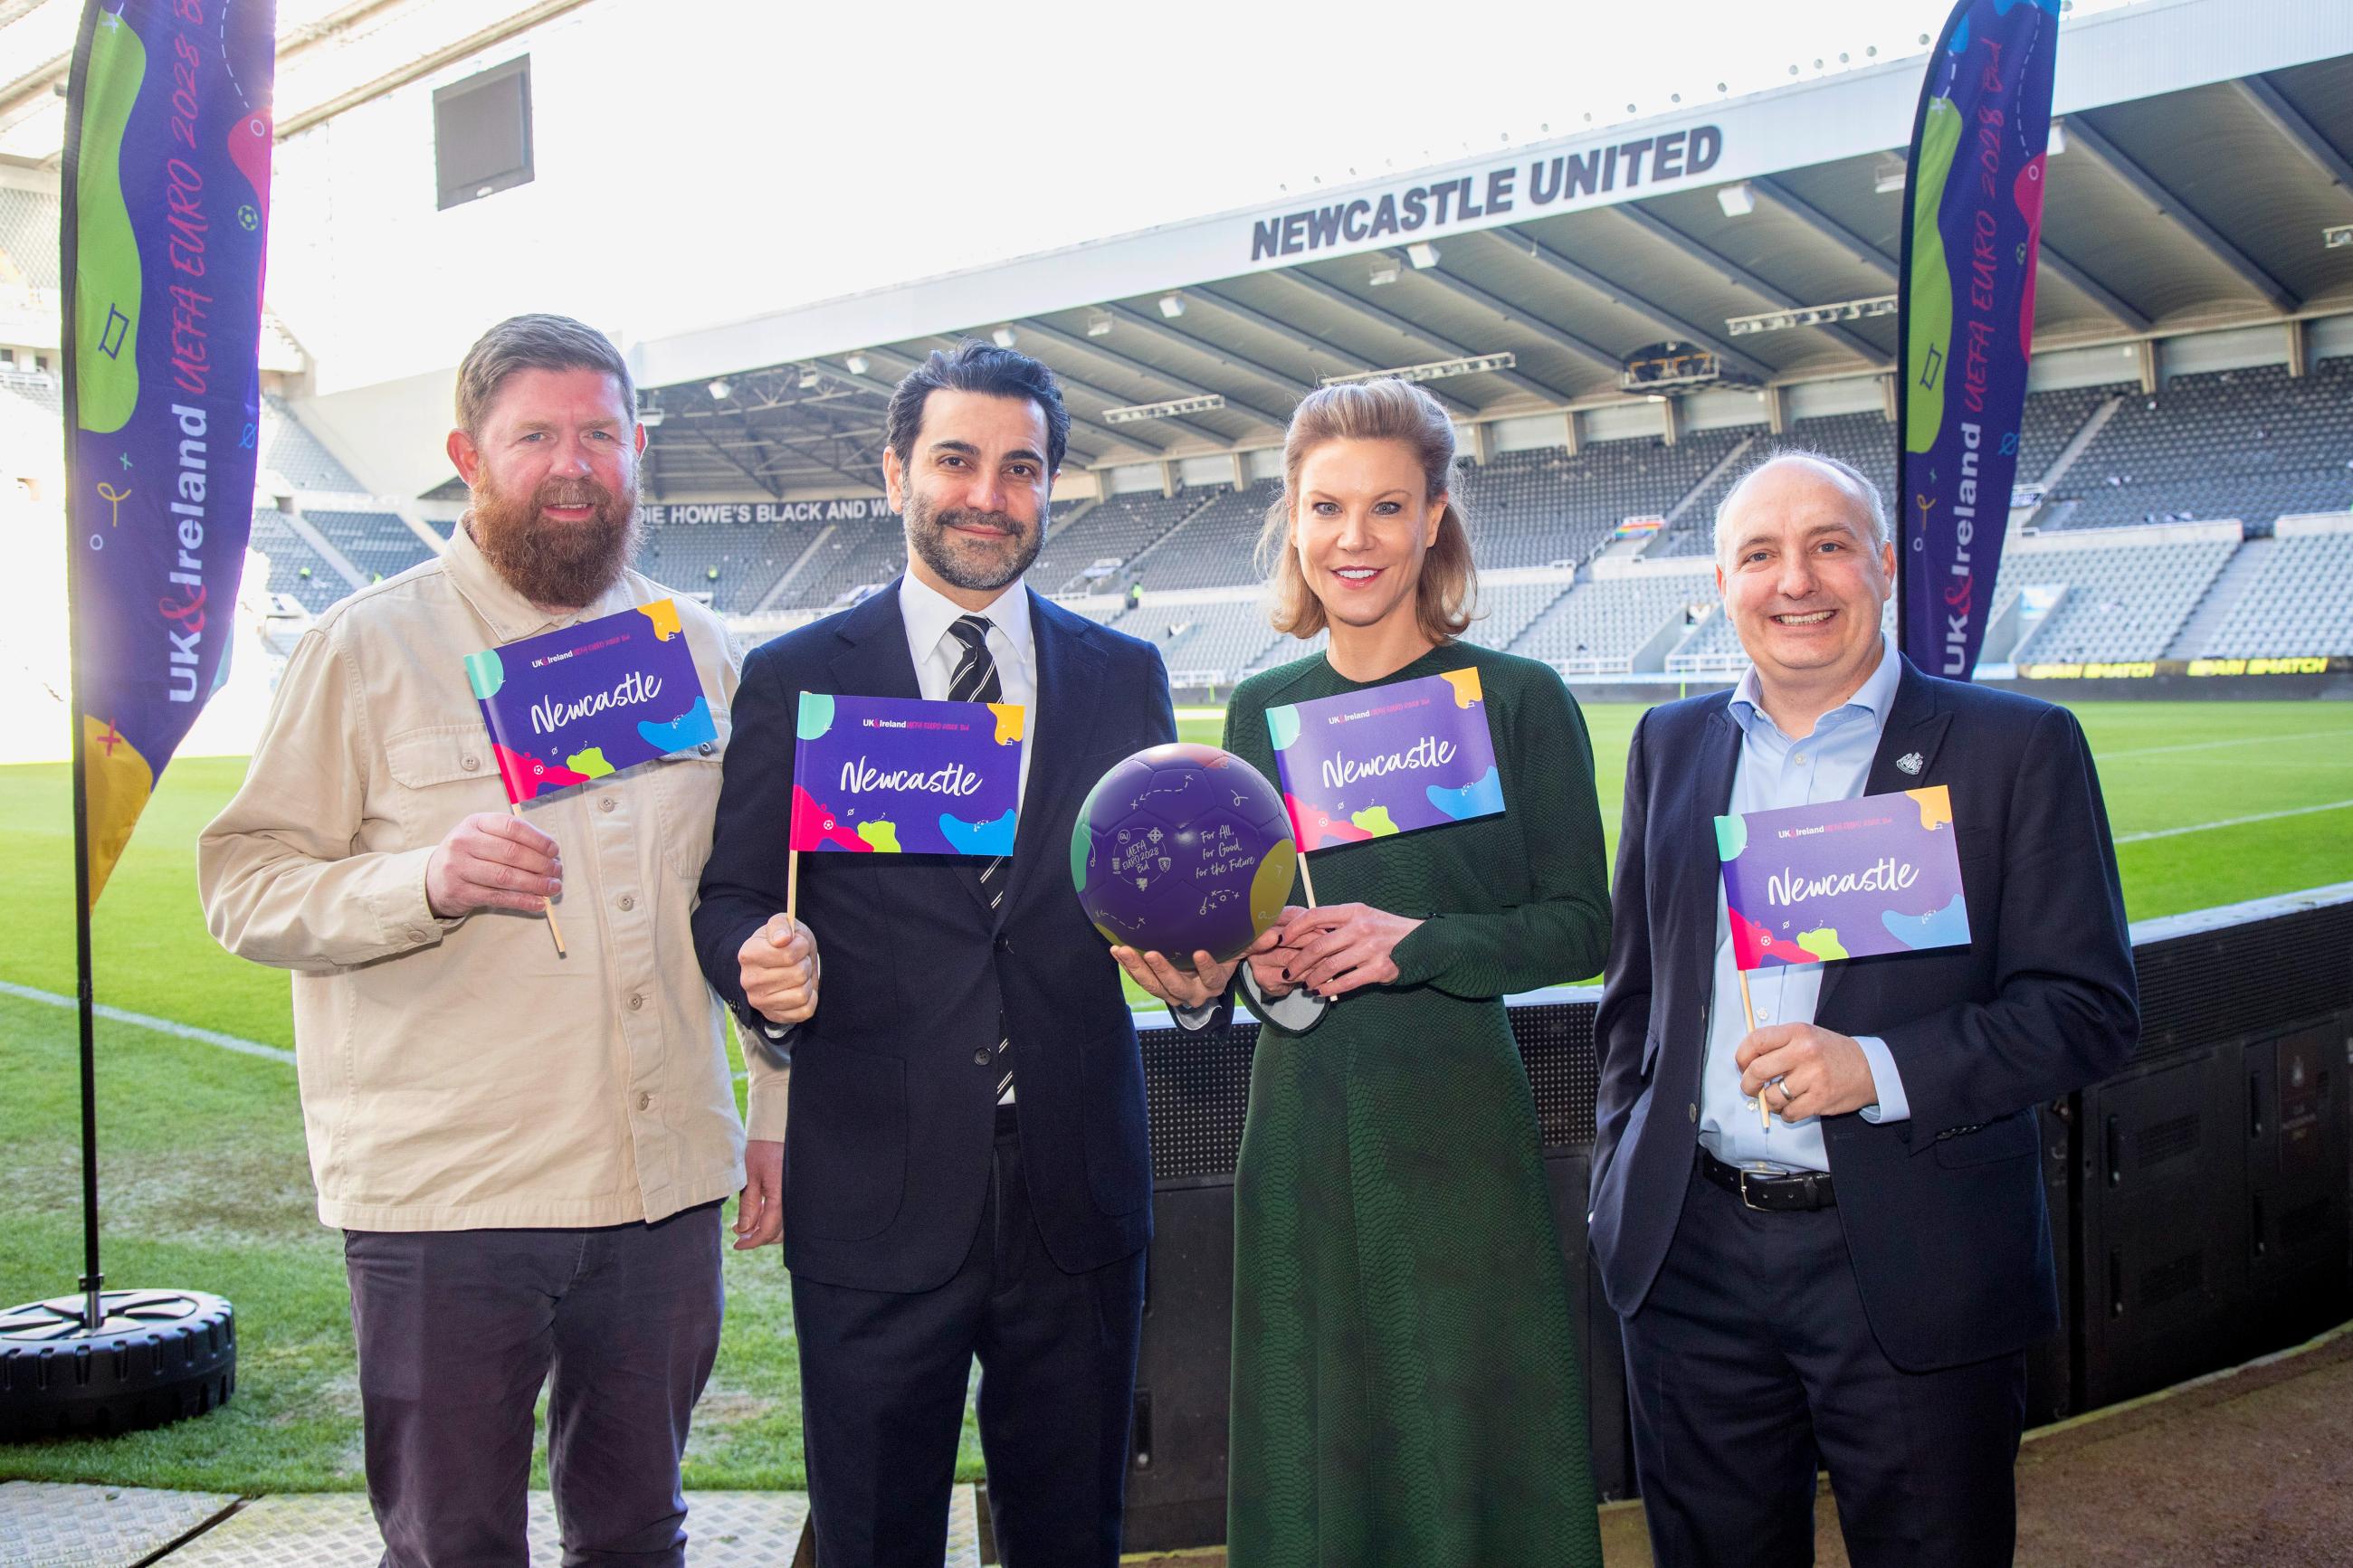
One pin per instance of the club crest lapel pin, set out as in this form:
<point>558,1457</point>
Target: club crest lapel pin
<point>1910,763</point>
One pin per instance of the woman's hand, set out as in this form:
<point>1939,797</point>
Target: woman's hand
<point>1272,959</point>
<point>1342,946</point>
<point>1172,985</point>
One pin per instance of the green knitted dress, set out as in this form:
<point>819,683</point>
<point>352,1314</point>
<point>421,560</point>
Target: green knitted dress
<point>1406,1387</point>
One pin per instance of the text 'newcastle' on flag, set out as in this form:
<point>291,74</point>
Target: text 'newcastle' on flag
<point>166,190</point>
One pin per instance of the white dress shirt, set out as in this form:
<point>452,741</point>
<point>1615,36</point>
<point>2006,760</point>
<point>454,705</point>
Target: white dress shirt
<point>928,614</point>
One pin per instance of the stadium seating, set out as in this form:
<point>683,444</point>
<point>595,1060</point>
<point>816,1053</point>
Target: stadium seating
<point>2051,421</point>
<point>1542,507</point>
<point>735,563</point>
<point>296,570</point>
<point>2300,601</point>
<point>2124,601</point>
<point>28,238</point>
<point>2250,443</point>
<point>295,454</point>
<point>860,554</point>
<point>1115,530</point>
<point>377,542</point>
<point>1598,627</point>
<point>1210,644</point>
<point>1214,545</point>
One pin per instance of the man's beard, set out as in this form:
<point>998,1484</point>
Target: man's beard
<point>560,564</point>
<point>970,564</point>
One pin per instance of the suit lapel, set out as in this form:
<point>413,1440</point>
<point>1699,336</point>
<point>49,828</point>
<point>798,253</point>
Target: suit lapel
<point>1069,682</point>
<point>1913,735</point>
<point>1710,797</point>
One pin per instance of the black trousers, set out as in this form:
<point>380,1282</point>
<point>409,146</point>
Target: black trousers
<point>883,1375</point>
<point>1751,1364</point>
<point>458,1329</point>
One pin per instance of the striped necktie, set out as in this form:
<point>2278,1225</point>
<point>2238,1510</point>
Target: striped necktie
<point>976,680</point>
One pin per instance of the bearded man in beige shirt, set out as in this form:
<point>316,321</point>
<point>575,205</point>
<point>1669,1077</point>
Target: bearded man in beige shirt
<point>526,1151</point>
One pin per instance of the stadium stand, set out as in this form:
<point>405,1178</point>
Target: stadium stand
<point>2051,421</point>
<point>2251,444</point>
<point>1543,507</point>
<point>1114,532</point>
<point>377,542</point>
<point>1212,547</point>
<point>2125,595</point>
<point>1601,627</point>
<point>295,454</point>
<point>296,571</point>
<point>28,238</point>
<point>2298,600</point>
<point>857,555</point>
<point>1204,644</point>
<point>735,563</point>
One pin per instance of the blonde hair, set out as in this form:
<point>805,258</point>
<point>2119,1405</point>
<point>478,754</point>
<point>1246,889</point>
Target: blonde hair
<point>1387,410</point>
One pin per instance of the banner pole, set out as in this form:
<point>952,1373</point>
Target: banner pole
<point>546,906</point>
<point>93,1280</point>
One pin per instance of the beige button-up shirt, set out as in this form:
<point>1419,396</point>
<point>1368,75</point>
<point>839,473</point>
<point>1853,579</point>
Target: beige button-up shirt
<point>457,1074</point>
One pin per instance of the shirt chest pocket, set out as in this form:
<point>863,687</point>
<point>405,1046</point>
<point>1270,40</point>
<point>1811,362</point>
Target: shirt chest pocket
<point>685,788</point>
<point>440,774</point>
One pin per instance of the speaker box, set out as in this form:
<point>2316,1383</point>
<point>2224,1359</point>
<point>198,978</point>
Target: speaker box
<point>2297,1234</point>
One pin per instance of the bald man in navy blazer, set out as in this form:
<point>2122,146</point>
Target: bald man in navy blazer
<point>1858,1286</point>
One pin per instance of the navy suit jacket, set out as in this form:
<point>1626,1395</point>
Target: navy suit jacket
<point>888,1140</point>
<point>1944,1213</point>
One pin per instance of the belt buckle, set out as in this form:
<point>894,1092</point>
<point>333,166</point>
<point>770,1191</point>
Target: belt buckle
<point>1745,1198</point>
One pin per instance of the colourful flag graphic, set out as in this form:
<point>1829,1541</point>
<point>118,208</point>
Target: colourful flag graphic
<point>896,776</point>
<point>573,705</point>
<point>1845,878</point>
<point>1972,223</point>
<point>1389,759</point>
<point>166,210</point>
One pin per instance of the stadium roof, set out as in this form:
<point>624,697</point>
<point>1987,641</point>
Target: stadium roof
<point>2203,156</point>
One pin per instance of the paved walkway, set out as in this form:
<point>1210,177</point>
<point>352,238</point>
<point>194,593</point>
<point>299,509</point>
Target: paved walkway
<point>2248,1468</point>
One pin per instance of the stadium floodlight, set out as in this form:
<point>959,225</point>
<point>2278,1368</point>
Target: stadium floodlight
<point>1172,305</point>
<point>1005,337</point>
<point>1422,254</point>
<point>651,416</point>
<point>1099,324</point>
<point>2337,236</point>
<point>1889,179</point>
<point>719,389</point>
<point>1812,316</point>
<point>859,364</point>
<point>1174,408</point>
<point>810,378</point>
<point>1385,275</point>
<point>1736,200</point>
<point>1436,370</point>
<point>2058,143</point>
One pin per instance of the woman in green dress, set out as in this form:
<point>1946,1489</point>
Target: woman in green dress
<point>1406,1384</point>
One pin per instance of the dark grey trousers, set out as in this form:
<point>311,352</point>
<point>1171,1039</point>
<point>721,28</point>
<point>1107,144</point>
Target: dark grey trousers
<point>457,1332</point>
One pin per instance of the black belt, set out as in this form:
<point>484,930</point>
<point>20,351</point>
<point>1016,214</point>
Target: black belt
<point>1795,1191</point>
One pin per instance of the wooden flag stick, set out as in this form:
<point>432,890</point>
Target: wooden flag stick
<point>546,906</point>
<point>1748,1013</point>
<point>792,885</point>
<point>1306,880</point>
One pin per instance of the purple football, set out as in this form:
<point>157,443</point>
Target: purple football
<point>1181,849</point>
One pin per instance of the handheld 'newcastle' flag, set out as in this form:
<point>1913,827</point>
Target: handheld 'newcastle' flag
<point>1844,879</point>
<point>570,706</point>
<point>897,776</point>
<point>166,209</point>
<point>1389,759</point>
<point>1972,224</point>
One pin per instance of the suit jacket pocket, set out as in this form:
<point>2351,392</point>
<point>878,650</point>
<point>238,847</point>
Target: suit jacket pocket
<point>846,1143</point>
<point>2013,1137</point>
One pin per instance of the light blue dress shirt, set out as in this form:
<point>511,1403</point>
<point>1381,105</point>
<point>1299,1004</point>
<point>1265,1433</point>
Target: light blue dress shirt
<point>1774,772</point>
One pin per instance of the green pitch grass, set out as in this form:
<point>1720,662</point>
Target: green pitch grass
<point>206,1187</point>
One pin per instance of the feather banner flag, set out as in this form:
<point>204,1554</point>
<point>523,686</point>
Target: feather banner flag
<point>166,186</point>
<point>1972,223</point>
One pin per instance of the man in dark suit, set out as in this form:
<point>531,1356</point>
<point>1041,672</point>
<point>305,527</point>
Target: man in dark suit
<point>1856,1287</point>
<point>965,1169</point>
